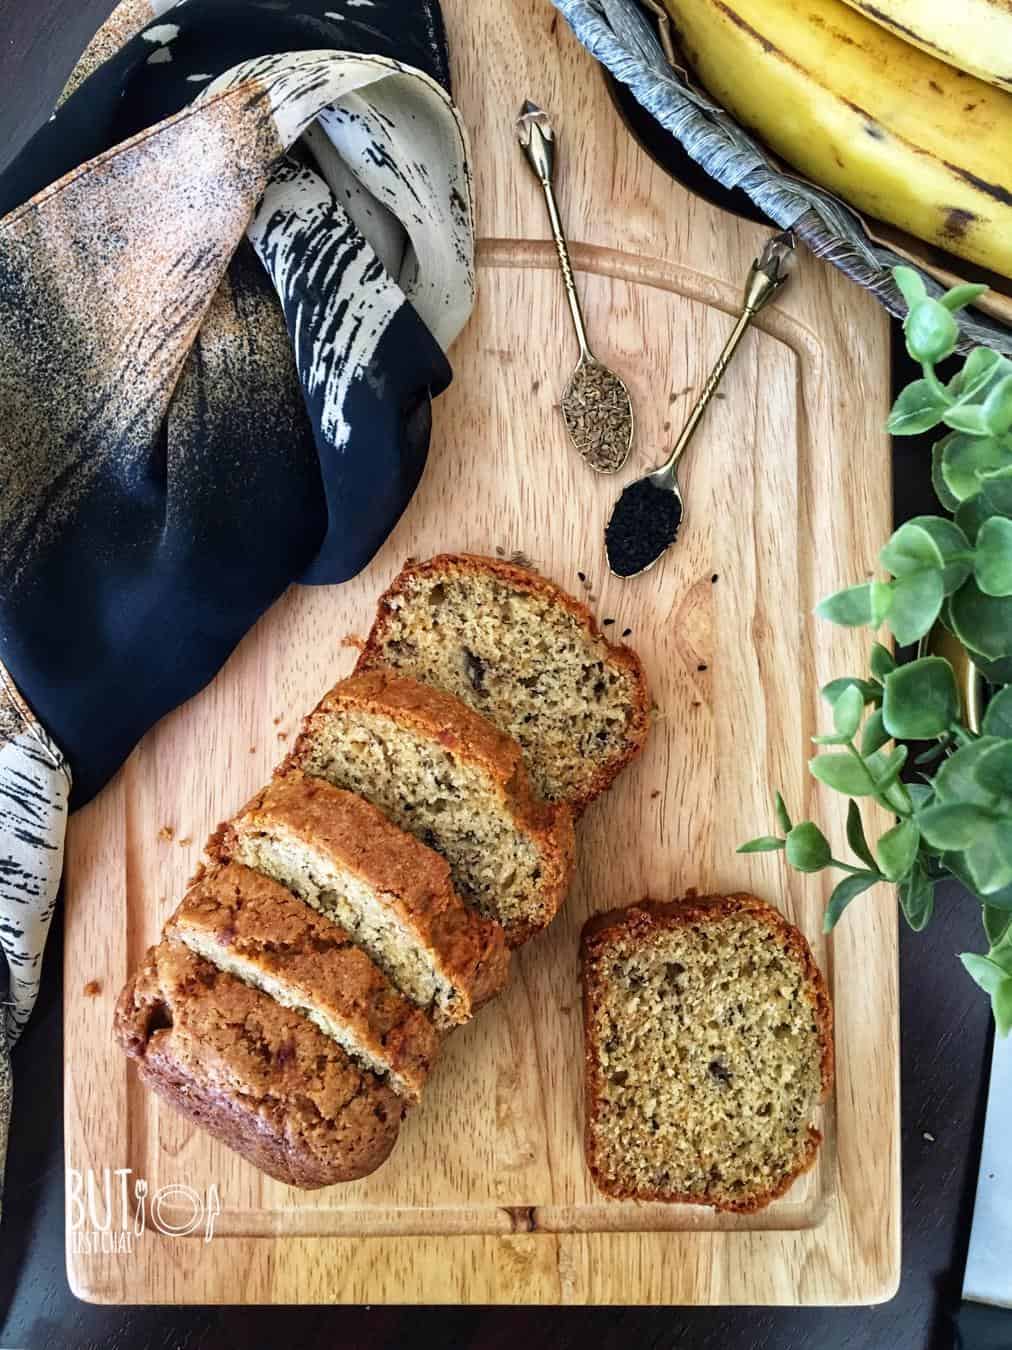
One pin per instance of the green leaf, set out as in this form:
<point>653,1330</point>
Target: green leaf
<point>954,825</point>
<point>980,368</point>
<point>997,924</point>
<point>958,296</point>
<point>897,850</point>
<point>970,516</point>
<point>871,690</point>
<point>995,672</point>
<point>843,773</point>
<point>766,843</point>
<point>996,490</point>
<point>968,418</point>
<point>987,973</point>
<point>957,865</point>
<point>916,600</point>
<point>956,780</point>
<point>847,712</point>
<point>808,848</point>
<point>983,623</point>
<point>863,606</point>
<point>917,900</point>
<point>843,893</point>
<point>1001,1007</point>
<point>919,408</point>
<point>783,817</point>
<point>874,734</point>
<point>938,480</point>
<point>911,549</point>
<point>989,858</point>
<point>921,699</point>
<point>963,459</point>
<point>931,331</point>
<point>994,771</point>
<point>993,564</point>
<point>856,837</point>
<point>998,718</point>
<point>886,768</point>
<point>911,286</point>
<point>997,407</point>
<point>952,544</point>
<point>882,661</point>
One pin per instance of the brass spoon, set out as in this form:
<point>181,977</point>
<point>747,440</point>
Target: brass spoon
<point>645,520</point>
<point>596,406</point>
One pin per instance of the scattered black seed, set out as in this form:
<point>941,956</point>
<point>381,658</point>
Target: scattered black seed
<point>607,623</point>
<point>582,576</point>
<point>701,666</point>
<point>643,524</point>
<point>475,671</point>
<point>715,577</point>
<point>626,632</point>
<point>500,551</point>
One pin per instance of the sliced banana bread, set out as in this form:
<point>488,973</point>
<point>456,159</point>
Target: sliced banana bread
<point>708,1043</point>
<point>257,1076</point>
<point>526,655</point>
<point>388,891</point>
<point>250,926</point>
<point>441,771</point>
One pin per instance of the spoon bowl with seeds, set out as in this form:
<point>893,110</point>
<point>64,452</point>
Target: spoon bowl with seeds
<point>645,520</point>
<point>596,407</point>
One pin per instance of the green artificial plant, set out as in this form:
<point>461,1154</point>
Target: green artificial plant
<point>954,816</point>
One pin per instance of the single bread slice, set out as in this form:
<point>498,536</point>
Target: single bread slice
<point>526,655</point>
<point>441,771</point>
<point>257,1076</point>
<point>708,1042</point>
<point>389,892</point>
<point>251,926</point>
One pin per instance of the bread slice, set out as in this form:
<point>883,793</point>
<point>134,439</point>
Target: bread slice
<point>708,1043</point>
<point>441,771</point>
<point>389,892</point>
<point>526,655</point>
<point>257,1076</point>
<point>253,928</point>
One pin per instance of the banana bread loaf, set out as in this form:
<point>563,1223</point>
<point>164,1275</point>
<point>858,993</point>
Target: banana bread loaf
<point>708,1044</point>
<point>388,891</point>
<point>526,655</point>
<point>441,771</point>
<point>253,928</point>
<point>259,1077</point>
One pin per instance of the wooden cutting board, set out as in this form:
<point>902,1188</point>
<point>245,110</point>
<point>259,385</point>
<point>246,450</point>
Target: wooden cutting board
<point>486,1198</point>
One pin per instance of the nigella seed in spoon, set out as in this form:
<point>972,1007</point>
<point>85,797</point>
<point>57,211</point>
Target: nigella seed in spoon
<point>643,524</point>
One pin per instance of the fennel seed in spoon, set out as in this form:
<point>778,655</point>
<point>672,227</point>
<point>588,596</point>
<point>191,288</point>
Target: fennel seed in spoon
<point>598,416</point>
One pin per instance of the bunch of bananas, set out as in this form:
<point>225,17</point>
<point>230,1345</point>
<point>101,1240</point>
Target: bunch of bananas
<point>901,107</point>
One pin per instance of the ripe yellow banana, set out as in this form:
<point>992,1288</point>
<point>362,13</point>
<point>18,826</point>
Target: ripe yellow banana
<point>974,35</point>
<point>898,134</point>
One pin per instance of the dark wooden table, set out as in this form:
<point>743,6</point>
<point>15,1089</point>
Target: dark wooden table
<point>946,1047</point>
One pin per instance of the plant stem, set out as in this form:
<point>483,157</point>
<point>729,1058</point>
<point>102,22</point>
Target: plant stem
<point>935,383</point>
<point>846,867</point>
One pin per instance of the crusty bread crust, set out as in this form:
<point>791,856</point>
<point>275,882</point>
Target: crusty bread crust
<point>412,878</point>
<point>255,920</point>
<point>436,716</point>
<point>260,1078</point>
<point>644,920</point>
<point>528,582</point>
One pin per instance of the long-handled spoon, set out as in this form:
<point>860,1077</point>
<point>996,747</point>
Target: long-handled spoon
<point>645,520</point>
<point>595,404</point>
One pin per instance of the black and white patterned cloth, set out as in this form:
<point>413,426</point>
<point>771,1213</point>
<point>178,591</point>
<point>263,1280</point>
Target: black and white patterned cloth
<point>231,266</point>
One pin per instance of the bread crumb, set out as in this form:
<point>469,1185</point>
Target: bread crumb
<point>92,988</point>
<point>354,641</point>
<point>929,1137</point>
<point>252,749</point>
<point>278,721</point>
<point>282,735</point>
<point>166,834</point>
<point>184,843</point>
<point>655,794</point>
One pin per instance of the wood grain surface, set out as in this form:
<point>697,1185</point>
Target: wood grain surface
<point>787,496</point>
